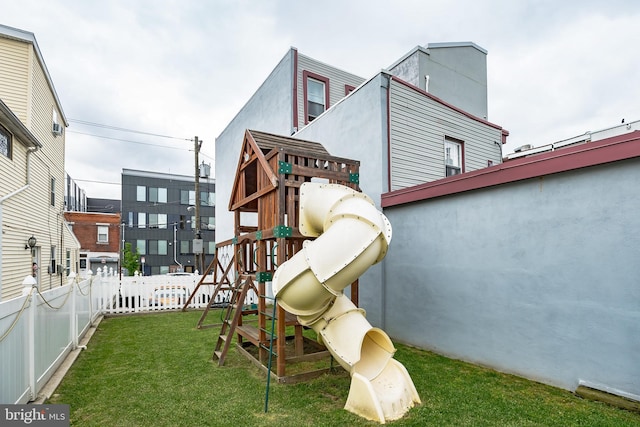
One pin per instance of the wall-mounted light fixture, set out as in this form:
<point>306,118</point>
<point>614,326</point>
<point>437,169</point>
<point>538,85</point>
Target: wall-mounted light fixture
<point>31,242</point>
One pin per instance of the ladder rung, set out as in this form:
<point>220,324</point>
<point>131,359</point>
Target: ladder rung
<point>266,347</point>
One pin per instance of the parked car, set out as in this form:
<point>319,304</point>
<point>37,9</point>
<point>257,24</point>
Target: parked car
<point>168,296</point>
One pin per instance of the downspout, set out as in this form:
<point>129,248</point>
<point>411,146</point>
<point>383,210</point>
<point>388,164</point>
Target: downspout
<point>175,249</point>
<point>10,195</point>
<point>389,132</point>
<point>383,299</point>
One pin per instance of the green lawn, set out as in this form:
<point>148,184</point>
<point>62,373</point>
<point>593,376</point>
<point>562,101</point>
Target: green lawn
<point>156,370</point>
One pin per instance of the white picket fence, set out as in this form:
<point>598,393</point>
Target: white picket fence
<point>40,328</point>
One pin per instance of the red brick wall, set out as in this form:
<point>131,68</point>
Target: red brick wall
<point>85,228</point>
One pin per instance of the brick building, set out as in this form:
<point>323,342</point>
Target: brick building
<point>99,237</point>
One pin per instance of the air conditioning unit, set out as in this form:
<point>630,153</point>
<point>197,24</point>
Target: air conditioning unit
<point>57,129</point>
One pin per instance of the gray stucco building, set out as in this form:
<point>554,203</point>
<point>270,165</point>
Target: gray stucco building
<point>528,266</point>
<point>401,134</point>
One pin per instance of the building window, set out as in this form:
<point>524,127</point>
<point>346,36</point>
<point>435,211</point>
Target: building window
<point>207,198</point>
<point>453,156</point>
<point>130,219</point>
<point>83,261</point>
<point>53,191</point>
<point>57,129</point>
<point>142,246</point>
<point>52,262</point>
<point>142,220</point>
<point>103,234</point>
<point>316,94</point>
<point>184,247</point>
<point>157,247</point>
<point>208,222</point>
<point>158,221</point>
<point>348,89</point>
<point>209,248</point>
<point>68,262</point>
<point>141,193</point>
<point>5,142</point>
<point>162,220</point>
<point>162,247</point>
<point>157,195</point>
<point>187,197</point>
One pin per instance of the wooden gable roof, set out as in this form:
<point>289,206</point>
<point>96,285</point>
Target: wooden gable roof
<point>252,164</point>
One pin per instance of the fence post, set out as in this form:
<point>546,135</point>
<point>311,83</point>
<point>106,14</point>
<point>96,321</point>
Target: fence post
<point>79,281</point>
<point>73,324</point>
<point>30,285</point>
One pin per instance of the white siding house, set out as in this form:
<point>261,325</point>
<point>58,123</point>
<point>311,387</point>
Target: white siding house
<point>32,175</point>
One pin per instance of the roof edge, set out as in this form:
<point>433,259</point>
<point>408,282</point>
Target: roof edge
<point>608,150</point>
<point>29,37</point>
<point>456,44</point>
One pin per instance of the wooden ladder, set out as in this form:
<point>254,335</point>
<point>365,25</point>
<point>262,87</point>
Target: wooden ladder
<point>233,316</point>
<point>221,284</point>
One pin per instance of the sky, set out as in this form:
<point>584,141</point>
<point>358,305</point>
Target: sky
<point>139,79</point>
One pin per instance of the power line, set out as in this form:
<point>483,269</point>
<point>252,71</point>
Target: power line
<point>97,182</point>
<point>128,140</point>
<point>84,122</point>
<point>87,123</point>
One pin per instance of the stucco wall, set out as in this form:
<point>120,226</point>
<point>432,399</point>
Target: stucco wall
<point>268,110</point>
<point>357,130</point>
<point>537,277</point>
<point>457,74</point>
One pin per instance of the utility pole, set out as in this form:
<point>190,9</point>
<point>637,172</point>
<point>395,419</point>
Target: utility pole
<point>197,242</point>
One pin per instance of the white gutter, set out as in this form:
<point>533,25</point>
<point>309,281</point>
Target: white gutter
<point>10,195</point>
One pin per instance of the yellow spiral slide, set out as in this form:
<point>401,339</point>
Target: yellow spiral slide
<point>352,235</point>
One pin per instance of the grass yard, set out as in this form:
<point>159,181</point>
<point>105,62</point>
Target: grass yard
<point>156,370</point>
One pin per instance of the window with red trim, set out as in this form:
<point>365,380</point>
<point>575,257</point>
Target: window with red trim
<point>453,156</point>
<point>316,95</point>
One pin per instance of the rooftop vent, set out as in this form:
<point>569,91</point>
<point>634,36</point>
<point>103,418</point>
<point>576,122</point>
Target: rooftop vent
<point>523,148</point>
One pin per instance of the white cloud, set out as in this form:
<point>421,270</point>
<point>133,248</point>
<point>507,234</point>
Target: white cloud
<point>185,68</point>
